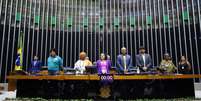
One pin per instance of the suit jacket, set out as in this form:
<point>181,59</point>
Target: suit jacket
<point>99,66</point>
<point>140,61</point>
<point>35,66</point>
<point>120,63</point>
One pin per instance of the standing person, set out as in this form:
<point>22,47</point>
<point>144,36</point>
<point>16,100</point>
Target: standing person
<point>103,65</point>
<point>124,61</point>
<point>35,65</point>
<point>81,63</point>
<point>54,63</point>
<point>143,60</point>
<point>184,66</point>
<point>167,65</point>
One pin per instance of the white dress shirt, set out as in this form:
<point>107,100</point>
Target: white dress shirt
<point>143,57</point>
<point>124,60</point>
<point>80,66</point>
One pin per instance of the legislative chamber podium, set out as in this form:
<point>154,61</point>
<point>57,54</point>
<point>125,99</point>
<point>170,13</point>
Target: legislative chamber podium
<point>90,86</point>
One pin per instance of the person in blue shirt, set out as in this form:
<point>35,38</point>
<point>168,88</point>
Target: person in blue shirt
<point>54,63</point>
<point>35,65</point>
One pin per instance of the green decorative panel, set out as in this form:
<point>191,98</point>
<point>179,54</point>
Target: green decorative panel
<point>101,21</point>
<point>116,22</point>
<point>85,22</point>
<point>37,19</point>
<point>165,19</point>
<point>53,20</point>
<point>149,20</point>
<point>18,16</point>
<point>185,15</point>
<point>132,21</point>
<point>69,21</point>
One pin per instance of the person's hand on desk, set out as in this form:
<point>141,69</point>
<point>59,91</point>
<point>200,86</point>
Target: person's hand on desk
<point>144,68</point>
<point>125,71</point>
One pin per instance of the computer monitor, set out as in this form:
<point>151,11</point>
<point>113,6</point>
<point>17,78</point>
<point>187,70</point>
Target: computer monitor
<point>91,69</point>
<point>69,70</point>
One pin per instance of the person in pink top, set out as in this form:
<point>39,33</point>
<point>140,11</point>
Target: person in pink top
<point>103,65</point>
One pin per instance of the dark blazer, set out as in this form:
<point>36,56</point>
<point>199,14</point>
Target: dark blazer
<point>140,61</point>
<point>35,67</point>
<point>120,63</point>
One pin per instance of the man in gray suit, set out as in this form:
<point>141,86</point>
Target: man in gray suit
<point>143,60</point>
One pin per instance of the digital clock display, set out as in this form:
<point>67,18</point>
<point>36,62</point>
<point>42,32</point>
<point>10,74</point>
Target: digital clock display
<point>106,77</point>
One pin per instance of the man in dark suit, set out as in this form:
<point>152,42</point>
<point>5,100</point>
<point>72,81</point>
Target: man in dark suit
<point>124,61</point>
<point>143,60</point>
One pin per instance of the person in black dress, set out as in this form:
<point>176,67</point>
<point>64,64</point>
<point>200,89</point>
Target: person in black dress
<point>184,66</point>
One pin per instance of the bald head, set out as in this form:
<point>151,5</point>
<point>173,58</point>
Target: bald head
<point>123,50</point>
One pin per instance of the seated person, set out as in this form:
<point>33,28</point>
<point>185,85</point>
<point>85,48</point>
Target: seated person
<point>124,61</point>
<point>35,65</point>
<point>143,60</point>
<point>103,65</point>
<point>167,65</point>
<point>54,63</point>
<point>81,63</point>
<point>184,66</point>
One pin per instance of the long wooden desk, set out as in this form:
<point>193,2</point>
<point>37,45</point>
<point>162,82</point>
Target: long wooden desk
<point>124,86</point>
<point>96,77</point>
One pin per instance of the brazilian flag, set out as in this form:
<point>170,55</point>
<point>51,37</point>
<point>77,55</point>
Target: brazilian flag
<point>18,61</point>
